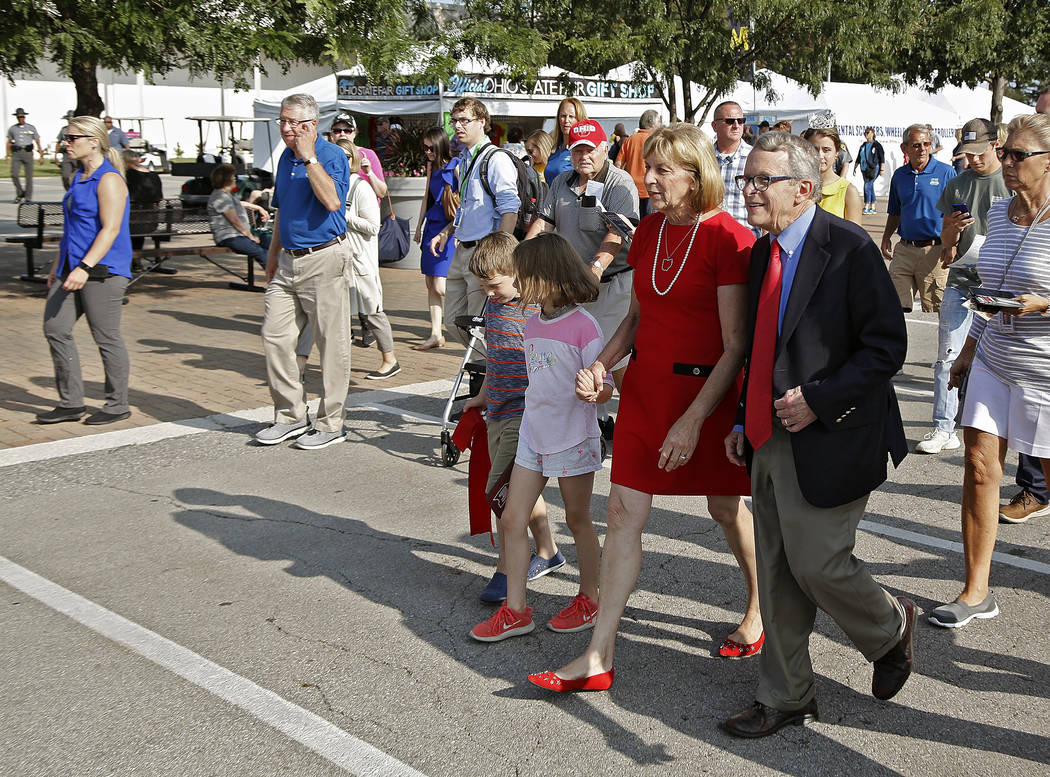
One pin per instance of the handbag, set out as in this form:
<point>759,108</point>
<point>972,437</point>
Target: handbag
<point>393,237</point>
<point>450,202</point>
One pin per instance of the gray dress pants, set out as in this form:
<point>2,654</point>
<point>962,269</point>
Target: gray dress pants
<point>22,160</point>
<point>805,561</point>
<point>101,301</point>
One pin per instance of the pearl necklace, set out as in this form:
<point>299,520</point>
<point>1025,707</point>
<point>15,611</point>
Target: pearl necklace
<point>668,261</point>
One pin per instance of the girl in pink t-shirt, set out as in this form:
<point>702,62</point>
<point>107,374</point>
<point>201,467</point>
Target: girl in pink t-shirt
<point>559,434</point>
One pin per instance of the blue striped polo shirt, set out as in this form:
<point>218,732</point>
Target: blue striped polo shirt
<point>506,377</point>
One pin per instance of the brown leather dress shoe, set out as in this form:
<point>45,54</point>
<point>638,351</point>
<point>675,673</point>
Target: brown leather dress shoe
<point>759,720</point>
<point>894,668</point>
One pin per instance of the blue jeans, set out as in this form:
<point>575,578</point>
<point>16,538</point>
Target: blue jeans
<point>954,325</point>
<point>242,245</point>
<point>869,191</point>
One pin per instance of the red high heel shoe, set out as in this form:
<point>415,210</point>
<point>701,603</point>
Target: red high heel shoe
<point>733,649</point>
<point>551,682</point>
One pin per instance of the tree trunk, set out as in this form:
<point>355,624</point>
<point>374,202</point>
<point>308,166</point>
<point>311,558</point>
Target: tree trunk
<point>998,89</point>
<point>85,79</point>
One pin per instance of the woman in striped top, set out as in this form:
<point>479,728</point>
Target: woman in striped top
<point>1007,356</point>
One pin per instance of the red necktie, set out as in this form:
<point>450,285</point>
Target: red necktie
<point>758,422</point>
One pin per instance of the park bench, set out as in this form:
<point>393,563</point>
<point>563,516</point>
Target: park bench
<point>159,223</point>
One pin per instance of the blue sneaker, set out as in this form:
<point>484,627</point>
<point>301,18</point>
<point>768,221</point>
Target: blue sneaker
<point>496,591</point>
<point>539,566</point>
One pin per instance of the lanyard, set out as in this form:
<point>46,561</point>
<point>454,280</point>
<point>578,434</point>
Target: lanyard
<point>466,178</point>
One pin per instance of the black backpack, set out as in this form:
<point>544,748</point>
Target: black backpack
<point>531,188</point>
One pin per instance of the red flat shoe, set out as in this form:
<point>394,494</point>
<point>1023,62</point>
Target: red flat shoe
<point>551,682</point>
<point>733,649</point>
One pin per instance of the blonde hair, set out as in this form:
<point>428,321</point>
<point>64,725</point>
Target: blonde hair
<point>92,127</point>
<point>353,155</point>
<point>1037,124</point>
<point>493,256</point>
<point>686,146</point>
<point>581,115</point>
<point>547,268</point>
<point>541,139</point>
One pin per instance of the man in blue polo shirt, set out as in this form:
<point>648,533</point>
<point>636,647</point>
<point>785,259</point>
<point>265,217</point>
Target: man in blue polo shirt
<point>308,284</point>
<point>914,190</point>
<point>480,213</point>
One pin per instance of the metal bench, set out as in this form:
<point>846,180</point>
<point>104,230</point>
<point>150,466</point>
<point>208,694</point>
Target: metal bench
<point>160,223</point>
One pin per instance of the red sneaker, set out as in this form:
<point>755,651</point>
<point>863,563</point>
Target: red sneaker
<point>504,623</point>
<point>580,615</point>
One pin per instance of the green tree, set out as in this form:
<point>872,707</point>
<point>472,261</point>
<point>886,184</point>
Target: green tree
<point>969,42</point>
<point>707,43</point>
<point>224,38</point>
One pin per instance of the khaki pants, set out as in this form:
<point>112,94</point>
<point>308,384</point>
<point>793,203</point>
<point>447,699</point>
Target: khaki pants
<point>463,295</point>
<point>309,290</point>
<point>805,561</point>
<point>918,269</point>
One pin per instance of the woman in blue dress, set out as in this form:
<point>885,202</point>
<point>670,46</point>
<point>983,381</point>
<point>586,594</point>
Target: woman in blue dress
<point>570,111</point>
<point>441,173</point>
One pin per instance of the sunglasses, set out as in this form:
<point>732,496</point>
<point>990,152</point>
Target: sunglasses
<point>733,120</point>
<point>73,138</point>
<point>427,147</point>
<point>1015,155</point>
<point>342,131</point>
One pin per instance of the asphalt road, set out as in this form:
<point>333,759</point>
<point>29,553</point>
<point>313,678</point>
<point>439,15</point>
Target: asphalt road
<point>180,601</point>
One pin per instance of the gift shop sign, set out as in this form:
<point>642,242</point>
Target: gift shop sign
<point>357,88</point>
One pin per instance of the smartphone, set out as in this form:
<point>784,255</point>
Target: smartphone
<point>961,207</point>
<point>588,201</point>
<point>993,299</point>
<point>618,224</point>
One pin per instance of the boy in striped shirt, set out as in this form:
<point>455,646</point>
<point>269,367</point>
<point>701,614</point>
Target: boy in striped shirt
<point>502,394</point>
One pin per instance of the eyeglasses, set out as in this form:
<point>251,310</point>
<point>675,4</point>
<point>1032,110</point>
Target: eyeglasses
<point>760,182</point>
<point>461,120</point>
<point>341,131</point>
<point>1015,155</point>
<point>293,123</point>
<point>73,138</point>
<point>733,120</point>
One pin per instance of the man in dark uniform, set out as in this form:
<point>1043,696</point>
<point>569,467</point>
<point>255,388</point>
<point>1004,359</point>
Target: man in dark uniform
<point>20,139</point>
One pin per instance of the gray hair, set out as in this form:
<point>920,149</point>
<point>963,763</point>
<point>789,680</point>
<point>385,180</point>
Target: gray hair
<point>915,129</point>
<point>1037,124</point>
<point>648,119</point>
<point>803,160</point>
<point>304,102</point>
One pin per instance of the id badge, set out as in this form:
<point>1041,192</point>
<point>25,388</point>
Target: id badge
<point>458,219</point>
<point>1006,323</point>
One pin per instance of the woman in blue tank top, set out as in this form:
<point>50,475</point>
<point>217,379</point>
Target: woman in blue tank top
<point>90,274</point>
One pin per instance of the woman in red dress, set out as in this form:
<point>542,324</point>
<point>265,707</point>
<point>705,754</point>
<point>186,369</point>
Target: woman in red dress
<point>686,333</point>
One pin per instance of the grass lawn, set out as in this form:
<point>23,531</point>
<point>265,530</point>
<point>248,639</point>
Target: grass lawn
<point>45,169</point>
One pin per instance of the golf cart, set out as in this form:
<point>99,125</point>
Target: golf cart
<point>152,156</point>
<point>233,149</point>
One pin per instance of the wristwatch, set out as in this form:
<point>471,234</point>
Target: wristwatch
<point>311,161</point>
<point>597,265</point>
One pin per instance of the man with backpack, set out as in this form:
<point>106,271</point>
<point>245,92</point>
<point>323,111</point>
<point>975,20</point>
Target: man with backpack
<point>490,190</point>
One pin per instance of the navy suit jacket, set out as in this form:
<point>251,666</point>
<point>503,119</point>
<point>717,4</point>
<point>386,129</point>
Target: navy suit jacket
<point>843,340</point>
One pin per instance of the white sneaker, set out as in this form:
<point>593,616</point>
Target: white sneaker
<point>938,440</point>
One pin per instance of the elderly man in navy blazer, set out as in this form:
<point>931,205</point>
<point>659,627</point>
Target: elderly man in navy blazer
<point>818,420</point>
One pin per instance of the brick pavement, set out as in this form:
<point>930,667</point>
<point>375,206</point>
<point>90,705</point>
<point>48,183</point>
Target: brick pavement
<point>194,347</point>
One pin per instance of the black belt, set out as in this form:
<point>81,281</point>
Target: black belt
<point>607,278</point>
<point>469,243</point>
<point>22,148</point>
<point>922,243</point>
<point>692,370</point>
<point>305,251</point>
